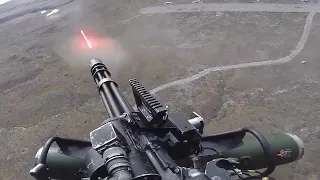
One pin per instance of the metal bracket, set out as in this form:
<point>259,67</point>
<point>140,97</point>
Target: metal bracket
<point>154,113</point>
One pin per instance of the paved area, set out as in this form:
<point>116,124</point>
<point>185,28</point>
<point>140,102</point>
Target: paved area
<point>249,67</point>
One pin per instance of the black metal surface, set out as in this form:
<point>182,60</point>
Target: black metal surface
<point>164,173</point>
<point>97,71</point>
<point>224,141</point>
<point>142,167</point>
<point>179,149</point>
<point>126,108</point>
<point>94,165</point>
<point>109,96</point>
<point>147,144</point>
<point>116,159</point>
<point>155,114</point>
<point>106,105</point>
<point>103,137</point>
<point>215,172</point>
<point>184,130</point>
<point>114,132</point>
<point>112,99</point>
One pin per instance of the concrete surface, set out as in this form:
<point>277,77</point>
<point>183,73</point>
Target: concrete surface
<point>234,68</point>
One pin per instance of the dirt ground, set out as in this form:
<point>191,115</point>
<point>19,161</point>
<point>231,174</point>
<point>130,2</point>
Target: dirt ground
<point>257,68</point>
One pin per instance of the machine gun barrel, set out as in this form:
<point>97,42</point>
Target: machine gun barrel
<point>131,165</point>
<point>111,97</point>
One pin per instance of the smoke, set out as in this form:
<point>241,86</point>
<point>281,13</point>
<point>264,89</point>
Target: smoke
<point>77,54</point>
<point>72,47</point>
<point>123,40</point>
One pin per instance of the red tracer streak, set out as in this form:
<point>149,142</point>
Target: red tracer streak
<point>87,40</point>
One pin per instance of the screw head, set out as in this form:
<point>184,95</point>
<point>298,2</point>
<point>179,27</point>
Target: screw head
<point>176,170</point>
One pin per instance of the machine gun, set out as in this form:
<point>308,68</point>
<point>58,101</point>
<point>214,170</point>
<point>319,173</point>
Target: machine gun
<point>145,142</point>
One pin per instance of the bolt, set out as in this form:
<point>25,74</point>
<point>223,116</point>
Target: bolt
<point>196,162</point>
<point>176,170</point>
<point>124,115</point>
